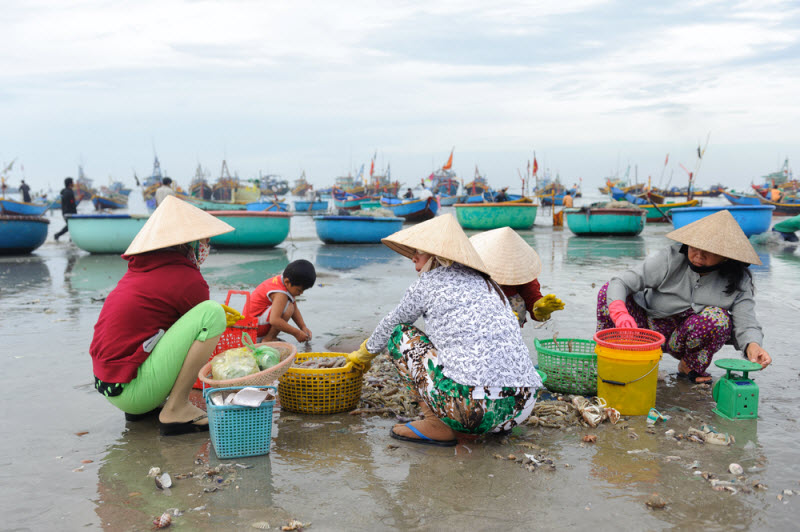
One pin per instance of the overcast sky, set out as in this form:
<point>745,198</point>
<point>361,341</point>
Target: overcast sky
<point>281,87</point>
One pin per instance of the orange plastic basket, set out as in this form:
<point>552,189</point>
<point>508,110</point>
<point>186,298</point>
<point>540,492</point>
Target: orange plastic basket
<point>232,337</point>
<point>320,391</point>
<point>627,339</point>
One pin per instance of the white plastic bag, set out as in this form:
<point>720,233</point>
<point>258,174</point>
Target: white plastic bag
<point>233,363</point>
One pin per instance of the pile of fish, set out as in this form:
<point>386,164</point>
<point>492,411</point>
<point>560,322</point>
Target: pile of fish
<point>572,410</point>
<point>321,363</point>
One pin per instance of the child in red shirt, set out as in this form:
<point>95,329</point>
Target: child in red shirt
<point>515,265</point>
<point>273,302</point>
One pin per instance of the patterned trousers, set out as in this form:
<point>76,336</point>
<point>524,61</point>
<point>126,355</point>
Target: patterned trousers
<point>693,338</point>
<point>467,409</point>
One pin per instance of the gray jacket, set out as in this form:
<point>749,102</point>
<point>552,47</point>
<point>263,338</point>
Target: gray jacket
<point>664,285</point>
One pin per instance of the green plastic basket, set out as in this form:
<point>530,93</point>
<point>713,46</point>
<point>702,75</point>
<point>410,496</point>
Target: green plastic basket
<point>238,431</point>
<point>570,365</point>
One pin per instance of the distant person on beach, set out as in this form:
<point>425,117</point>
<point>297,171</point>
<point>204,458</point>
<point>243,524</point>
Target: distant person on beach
<point>470,369</point>
<point>409,194</point>
<point>698,293</point>
<point>501,196</point>
<point>515,266</point>
<point>26,192</point>
<point>567,201</point>
<point>68,205</point>
<point>274,303</point>
<point>775,194</point>
<point>158,327</point>
<point>164,190</point>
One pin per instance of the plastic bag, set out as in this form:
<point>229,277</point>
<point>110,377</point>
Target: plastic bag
<point>265,356</point>
<point>233,363</point>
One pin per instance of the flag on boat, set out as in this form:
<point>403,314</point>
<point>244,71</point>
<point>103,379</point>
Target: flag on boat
<point>666,160</point>
<point>449,164</point>
<point>535,165</point>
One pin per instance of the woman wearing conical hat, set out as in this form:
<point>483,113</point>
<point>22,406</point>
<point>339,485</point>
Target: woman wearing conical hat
<point>698,293</point>
<point>515,266</point>
<point>471,370</point>
<point>157,328</point>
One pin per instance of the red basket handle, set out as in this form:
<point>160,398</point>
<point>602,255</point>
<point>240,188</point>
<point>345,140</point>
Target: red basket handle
<point>244,293</point>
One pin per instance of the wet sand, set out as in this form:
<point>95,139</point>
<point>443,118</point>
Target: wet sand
<point>70,460</point>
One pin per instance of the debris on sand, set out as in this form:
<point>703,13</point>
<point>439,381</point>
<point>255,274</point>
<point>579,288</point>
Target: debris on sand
<point>656,502</point>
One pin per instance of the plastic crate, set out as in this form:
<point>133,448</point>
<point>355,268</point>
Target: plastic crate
<point>238,431</point>
<point>232,337</point>
<point>320,391</point>
<point>570,365</point>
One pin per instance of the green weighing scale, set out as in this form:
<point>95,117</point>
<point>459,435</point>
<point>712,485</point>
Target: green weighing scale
<point>736,395</point>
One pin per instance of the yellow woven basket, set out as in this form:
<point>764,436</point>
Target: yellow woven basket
<point>320,391</point>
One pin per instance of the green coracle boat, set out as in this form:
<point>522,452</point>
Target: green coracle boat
<point>599,221</point>
<point>484,216</point>
<point>254,229</point>
<point>104,233</point>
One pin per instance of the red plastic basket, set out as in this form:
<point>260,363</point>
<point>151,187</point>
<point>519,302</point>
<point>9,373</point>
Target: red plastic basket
<point>629,339</point>
<point>232,337</point>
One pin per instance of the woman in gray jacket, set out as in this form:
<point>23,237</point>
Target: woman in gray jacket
<point>698,293</point>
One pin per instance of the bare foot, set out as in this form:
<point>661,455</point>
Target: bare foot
<point>692,375</point>
<point>182,414</point>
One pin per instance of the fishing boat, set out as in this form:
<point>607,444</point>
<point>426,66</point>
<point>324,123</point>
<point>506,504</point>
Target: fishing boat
<point>228,188</point>
<point>782,209</point>
<point>83,189</point>
<point>21,234</point>
<point>310,207</point>
<point>626,221</point>
<point>753,219</point>
<point>268,205</point>
<point>740,199</point>
<point>356,229</point>
<point>199,187</point>
<point>301,185</point>
<point>478,185</point>
<point>151,184</point>
<point>108,199</point>
<point>660,212</point>
<point>252,229</point>
<point>207,205</point>
<point>273,185</point>
<point>414,210</point>
<point>447,201</point>
<point>348,201</point>
<point>21,208</point>
<point>484,216</point>
<point>104,233</point>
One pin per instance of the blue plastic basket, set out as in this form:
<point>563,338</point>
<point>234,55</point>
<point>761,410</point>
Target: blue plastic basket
<point>238,431</point>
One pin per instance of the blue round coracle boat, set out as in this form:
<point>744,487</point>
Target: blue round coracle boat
<point>21,234</point>
<point>356,229</point>
<point>753,219</point>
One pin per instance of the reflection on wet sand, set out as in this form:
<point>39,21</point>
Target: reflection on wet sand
<point>19,274</point>
<point>245,274</point>
<point>344,257</point>
<point>593,249</point>
<point>95,273</point>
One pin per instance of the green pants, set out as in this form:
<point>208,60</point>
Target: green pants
<point>156,376</point>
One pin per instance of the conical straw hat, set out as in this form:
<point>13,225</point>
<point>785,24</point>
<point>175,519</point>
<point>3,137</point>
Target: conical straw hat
<point>718,233</point>
<point>440,236</point>
<point>511,260</point>
<point>175,222</point>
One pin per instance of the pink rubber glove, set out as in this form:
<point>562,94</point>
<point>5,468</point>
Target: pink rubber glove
<point>619,315</point>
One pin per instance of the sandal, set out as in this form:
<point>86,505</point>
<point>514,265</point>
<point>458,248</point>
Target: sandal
<point>693,376</point>
<point>422,438</point>
<point>186,427</point>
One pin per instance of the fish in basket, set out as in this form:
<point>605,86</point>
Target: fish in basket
<point>320,390</point>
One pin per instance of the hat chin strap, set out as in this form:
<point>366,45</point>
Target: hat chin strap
<point>434,262</point>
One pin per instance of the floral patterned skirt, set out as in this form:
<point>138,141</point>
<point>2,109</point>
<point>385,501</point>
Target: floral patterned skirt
<point>467,409</point>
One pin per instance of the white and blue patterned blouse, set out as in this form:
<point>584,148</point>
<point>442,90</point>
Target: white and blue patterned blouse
<point>476,335</point>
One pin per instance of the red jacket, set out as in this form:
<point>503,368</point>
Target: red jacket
<point>261,298</point>
<point>158,288</point>
<point>530,293</point>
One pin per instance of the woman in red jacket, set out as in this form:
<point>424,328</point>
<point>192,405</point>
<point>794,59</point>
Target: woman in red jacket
<point>158,327</point>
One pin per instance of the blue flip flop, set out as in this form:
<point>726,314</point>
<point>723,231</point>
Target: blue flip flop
<point>422,438</point>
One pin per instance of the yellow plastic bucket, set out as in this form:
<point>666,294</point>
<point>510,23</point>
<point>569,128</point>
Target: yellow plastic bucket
<point>627,369</point>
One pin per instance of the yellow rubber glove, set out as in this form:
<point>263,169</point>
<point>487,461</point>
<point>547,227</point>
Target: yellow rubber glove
<point>361,358</point>
<point>546,306</point>
<point>231,315</point>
